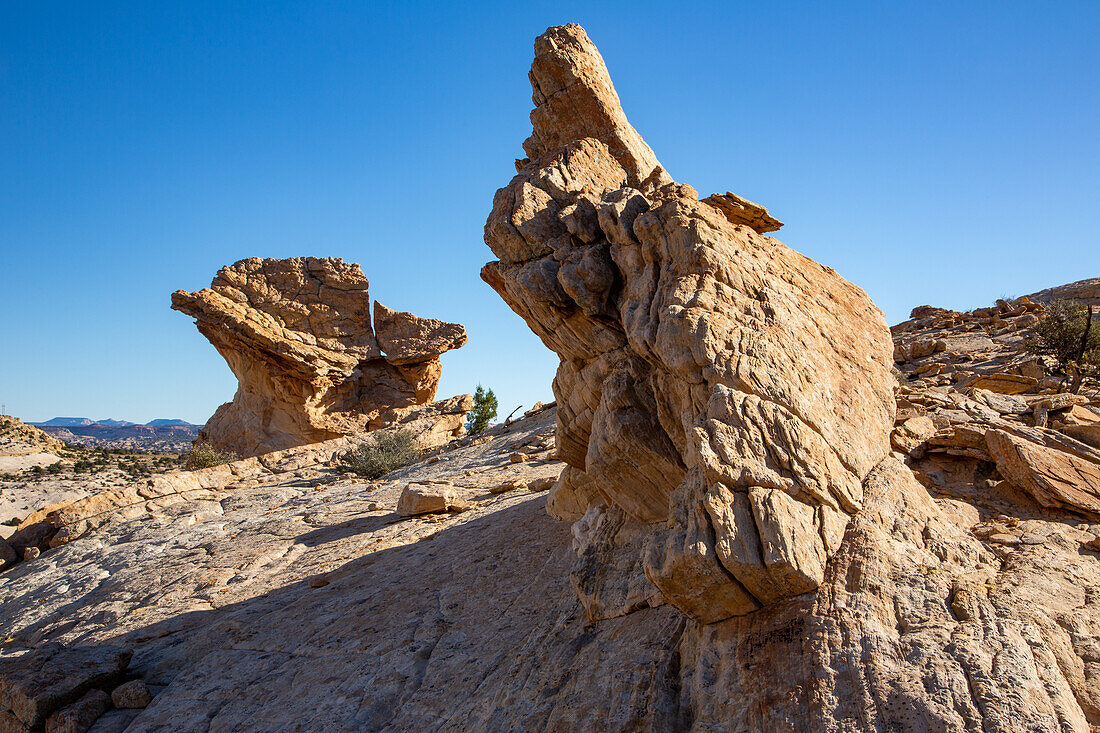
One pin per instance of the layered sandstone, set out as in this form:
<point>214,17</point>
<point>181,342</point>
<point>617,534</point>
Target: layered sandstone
<point>726,394</point>
<point>297,334</point>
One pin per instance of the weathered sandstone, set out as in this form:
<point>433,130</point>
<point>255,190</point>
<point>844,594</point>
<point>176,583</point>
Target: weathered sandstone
<point>702,364</point>
<point>951,595</point>
<point>297,334</point>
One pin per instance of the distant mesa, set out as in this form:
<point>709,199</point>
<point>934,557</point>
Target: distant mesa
<point>115,423</point>
<point>297,334</point>
<point>66,422</point>
<point>81,422</point>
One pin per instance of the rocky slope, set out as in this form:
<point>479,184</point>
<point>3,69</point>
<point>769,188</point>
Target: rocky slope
<point>297,334</point>
<point>23,446</point>
<point>17,438</point>
<point>956,591</point>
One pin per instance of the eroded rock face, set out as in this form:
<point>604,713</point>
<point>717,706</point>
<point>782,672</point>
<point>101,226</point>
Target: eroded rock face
<point>721,390</point>
<point>297,334</point>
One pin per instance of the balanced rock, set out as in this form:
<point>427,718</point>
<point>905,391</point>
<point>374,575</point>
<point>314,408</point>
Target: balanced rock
<point>297,334</point>
<point>711,378</point>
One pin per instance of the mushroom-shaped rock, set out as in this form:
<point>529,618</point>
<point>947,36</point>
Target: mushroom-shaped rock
<point>297,334</point>
<point>711,378</point>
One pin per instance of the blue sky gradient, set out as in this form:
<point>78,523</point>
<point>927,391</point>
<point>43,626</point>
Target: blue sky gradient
<point>942,153</point>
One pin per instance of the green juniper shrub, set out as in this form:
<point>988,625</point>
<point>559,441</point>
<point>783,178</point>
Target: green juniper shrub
<point>485,409</point>
<point>381,453</point>
<point>1069,332</point>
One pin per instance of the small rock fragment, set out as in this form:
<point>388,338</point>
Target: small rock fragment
<point>510,485</point>
<point>519,458</point>
<point>542,484</point>
<point>31,553</point>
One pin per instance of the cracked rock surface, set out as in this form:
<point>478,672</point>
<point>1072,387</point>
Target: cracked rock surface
<point>299,598</point>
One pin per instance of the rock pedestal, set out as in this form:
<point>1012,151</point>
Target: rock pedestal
<point>297,334</point>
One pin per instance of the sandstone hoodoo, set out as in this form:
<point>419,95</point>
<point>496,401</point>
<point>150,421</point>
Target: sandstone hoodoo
<point>724,393</point>
<point>297,334</point>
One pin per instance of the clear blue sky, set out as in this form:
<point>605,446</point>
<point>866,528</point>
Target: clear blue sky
<point>943,153</point>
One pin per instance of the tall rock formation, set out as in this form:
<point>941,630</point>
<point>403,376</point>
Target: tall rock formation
<point>721,397</point>
<point>297,334</point>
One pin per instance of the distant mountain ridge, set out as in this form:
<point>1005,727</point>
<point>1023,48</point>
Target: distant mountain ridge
<point>79,422</point>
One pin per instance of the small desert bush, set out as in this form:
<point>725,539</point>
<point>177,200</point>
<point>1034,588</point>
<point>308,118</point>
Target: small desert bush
<point>382,453</point>
<point>204,455</point>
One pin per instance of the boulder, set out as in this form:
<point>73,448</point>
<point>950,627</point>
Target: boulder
<point>297,334</point>
<point>1088,433</point>
<point>695,352</point>
<point>911,435</point>
<point>740,210</point>
<point>432,498</point>
<point>8,555</point>
<point>131,695</point>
